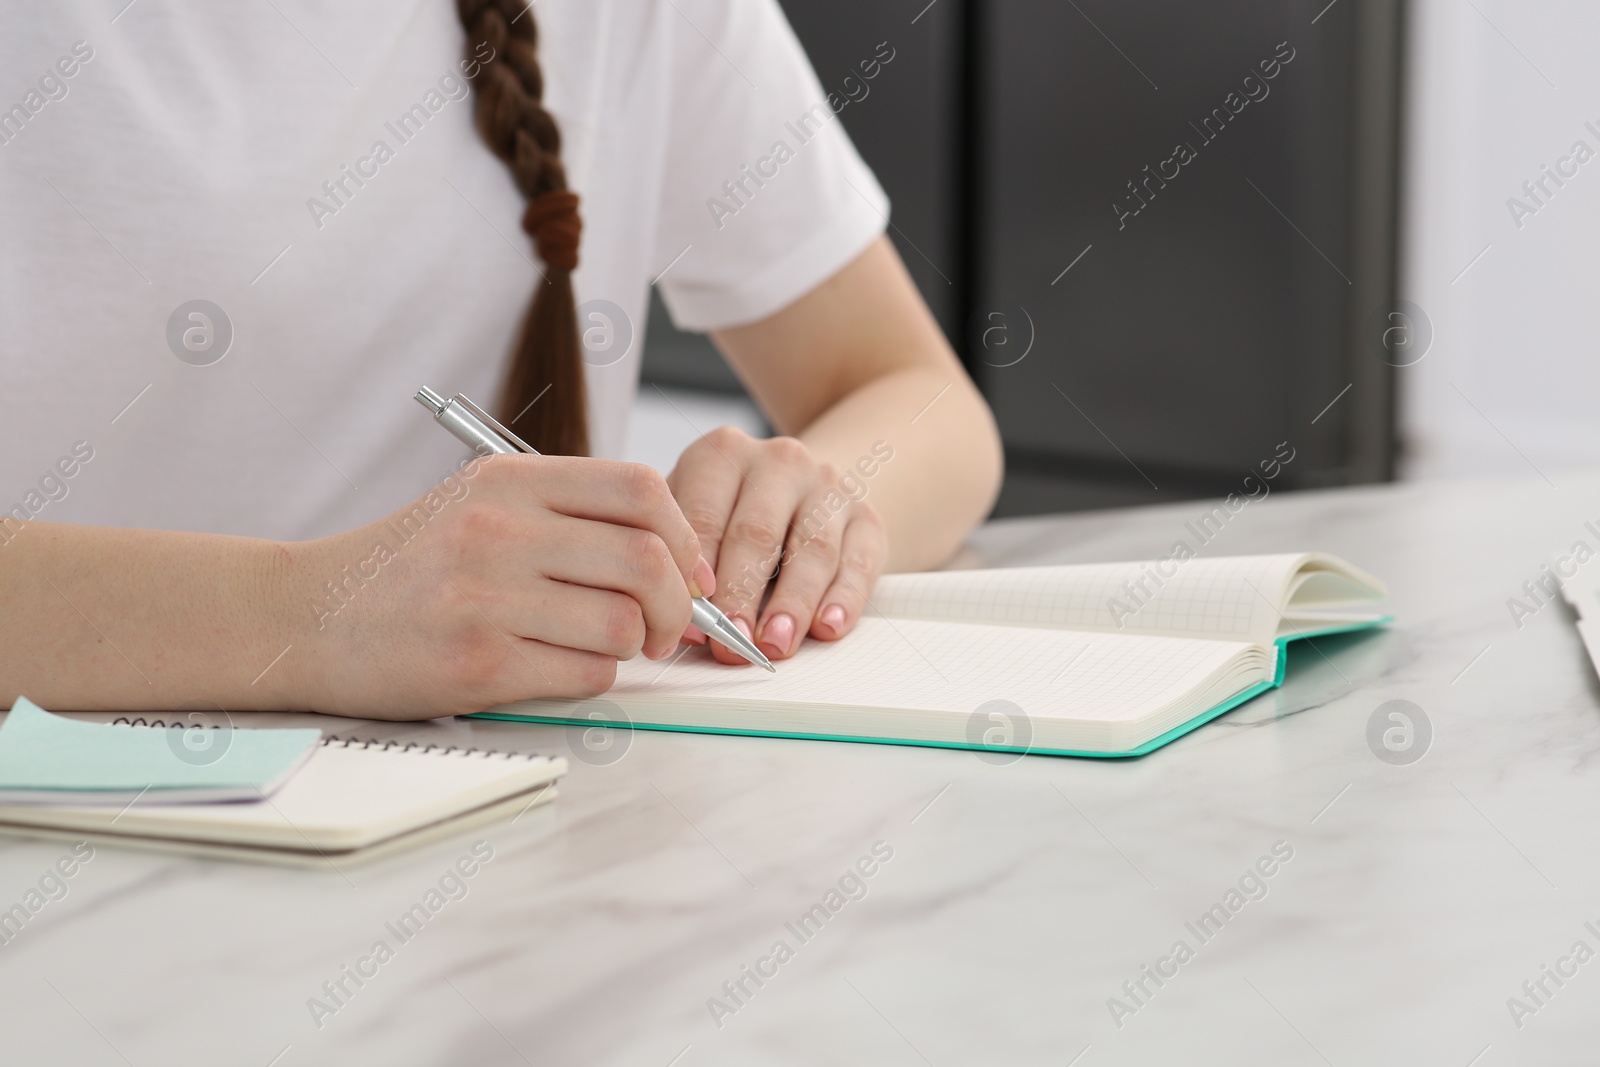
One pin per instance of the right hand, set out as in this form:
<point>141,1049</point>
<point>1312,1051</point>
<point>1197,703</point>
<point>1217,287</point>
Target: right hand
<point>529,576</point>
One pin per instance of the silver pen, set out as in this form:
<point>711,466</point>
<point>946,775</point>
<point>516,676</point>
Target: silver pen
<point>482,433</point>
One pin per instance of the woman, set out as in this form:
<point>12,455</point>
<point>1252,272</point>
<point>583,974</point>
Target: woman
<point>240,240</point>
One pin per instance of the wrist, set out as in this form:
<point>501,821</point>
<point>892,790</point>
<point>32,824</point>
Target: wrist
<point>294,680</point>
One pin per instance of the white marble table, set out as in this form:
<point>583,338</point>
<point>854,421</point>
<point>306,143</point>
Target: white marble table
<point>1018,899</point>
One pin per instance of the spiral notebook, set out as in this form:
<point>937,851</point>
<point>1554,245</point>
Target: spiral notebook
<point>51,759</point>
<point>353,800</point>
<point>1112,659</point>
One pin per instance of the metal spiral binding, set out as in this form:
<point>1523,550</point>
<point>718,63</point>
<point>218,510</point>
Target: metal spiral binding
<point>429,749</point>
<point>359,742</point>
<point>362,743</point>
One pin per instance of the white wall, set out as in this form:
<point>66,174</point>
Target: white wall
<point>666,421</point>
<point>1518,334</point>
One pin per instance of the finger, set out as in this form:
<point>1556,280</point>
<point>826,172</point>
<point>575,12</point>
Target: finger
<point>705,484</point>
<point>496,667</point>
<point>625,560</point>
<point>582,618</point>
<point>572,672</point>
<point>759,522</point>
<point>862,550</point>
<point>623,494</point>
<point>723,654</point>
<point>538,669</point>
<point>810,565</point>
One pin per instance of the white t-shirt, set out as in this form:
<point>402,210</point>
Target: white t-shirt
<point>230,153</point>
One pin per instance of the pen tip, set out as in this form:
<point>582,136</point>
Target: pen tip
<point>770,668</point>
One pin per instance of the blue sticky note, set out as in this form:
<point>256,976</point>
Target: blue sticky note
<point>49,759</point>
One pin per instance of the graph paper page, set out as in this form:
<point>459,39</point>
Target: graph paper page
<point>909,663</point>
<point>1227,598</point>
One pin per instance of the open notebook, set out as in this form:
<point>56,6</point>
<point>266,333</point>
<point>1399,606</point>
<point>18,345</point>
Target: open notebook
<point>1111,659</point>
<point>353,800</point>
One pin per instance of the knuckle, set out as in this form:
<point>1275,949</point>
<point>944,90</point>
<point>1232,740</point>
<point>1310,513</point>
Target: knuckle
<point>789,451</point>
<point>648,558</point>
<point>645,485</point>
<point>760,530</point>
<point>706,522</point>
<point>726,438</point>
<point>815,532</point>
<point>860,561</point>
<point>481,522</point>
<point>822,540</point>
<point>624,624</point>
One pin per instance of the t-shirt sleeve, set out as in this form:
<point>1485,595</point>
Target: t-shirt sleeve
<point>763,195</point>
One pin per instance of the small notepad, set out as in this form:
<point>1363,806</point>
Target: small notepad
<point>355,800</point>
<point>49,759</point>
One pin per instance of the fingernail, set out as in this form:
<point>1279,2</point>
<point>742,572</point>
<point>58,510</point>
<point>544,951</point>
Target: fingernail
<point>777,635</point>
<point>694,636</point>
<point>704,583</point>
<point>743,626</point>
<point>833,618</point>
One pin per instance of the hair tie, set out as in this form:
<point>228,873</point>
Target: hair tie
<point>552,220</point>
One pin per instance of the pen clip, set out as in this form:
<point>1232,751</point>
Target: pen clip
<point>494,424</point>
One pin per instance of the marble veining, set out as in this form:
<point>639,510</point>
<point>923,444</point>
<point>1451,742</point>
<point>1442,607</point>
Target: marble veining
<point>1020,897</point>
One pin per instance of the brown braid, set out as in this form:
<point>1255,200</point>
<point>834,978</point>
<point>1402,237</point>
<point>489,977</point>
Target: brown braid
<point>512,119</point>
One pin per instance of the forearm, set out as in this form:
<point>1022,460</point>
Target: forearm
<point>859,360</point>
<point>945,467</point>
<point>97,618</point>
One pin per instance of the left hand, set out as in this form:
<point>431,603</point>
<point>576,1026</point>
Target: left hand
<point>756,504</point>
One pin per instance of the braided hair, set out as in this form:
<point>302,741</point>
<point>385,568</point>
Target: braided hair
<point>546,366</point>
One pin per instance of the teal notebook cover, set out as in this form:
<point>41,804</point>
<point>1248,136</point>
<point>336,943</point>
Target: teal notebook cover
<point>1149,746</point>
<point>47,758</point>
